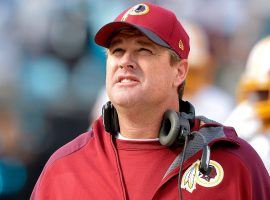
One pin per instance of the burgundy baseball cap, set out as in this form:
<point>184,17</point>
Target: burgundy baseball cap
<point>158,24</point>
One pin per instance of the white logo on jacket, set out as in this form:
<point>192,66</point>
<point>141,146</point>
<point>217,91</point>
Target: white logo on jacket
<point>193,176</point>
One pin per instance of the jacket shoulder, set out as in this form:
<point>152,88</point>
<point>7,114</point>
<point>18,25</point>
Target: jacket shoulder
<point>71,147</point>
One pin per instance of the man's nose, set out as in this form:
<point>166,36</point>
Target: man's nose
<point>127,61</point>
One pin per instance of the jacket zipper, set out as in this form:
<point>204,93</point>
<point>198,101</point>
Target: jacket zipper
<point>120,175</point>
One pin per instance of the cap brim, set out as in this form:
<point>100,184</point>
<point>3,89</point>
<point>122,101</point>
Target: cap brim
<point>105,34</point>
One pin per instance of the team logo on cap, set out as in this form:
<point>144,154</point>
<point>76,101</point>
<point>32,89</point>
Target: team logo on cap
<point>193,176</point>
<point>140,9</point>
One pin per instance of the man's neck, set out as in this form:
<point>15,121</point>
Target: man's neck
<point>141,123</point>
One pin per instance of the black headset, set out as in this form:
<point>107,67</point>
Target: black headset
<point>174,126</point>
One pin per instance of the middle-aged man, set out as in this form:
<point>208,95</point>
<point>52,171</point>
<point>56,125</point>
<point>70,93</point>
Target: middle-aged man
<point>148,144</point>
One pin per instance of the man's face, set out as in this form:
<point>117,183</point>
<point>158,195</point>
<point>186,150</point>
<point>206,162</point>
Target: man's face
<point>139,72</point>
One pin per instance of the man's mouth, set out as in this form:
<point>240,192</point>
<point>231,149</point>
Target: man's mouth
<point>127,79</point>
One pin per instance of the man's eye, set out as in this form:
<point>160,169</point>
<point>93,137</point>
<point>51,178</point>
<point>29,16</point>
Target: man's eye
<point>144,50</point>
<point>117,50</point>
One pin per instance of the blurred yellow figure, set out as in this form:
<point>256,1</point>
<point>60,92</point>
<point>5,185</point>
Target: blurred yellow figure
<point>210,100</point>
<point>255,83</point>
<point>201,66</point>
<point>251,118</point>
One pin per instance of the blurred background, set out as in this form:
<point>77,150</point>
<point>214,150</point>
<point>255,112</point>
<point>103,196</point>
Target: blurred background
<point>52,73</point>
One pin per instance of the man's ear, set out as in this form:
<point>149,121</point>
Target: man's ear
<point>181,71</point>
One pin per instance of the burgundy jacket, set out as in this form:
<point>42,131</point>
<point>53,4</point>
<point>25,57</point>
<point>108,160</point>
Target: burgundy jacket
<point>97,166</point>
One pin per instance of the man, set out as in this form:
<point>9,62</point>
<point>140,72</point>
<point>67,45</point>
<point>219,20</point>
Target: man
<point>147,51</point>
<point>251,118</point>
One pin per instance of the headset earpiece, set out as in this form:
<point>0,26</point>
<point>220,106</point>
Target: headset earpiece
<point>175,126</point>
<point>110,118</point>
<point>170,128</point>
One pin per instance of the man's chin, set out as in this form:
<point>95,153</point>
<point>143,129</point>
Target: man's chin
<point>124,101</point>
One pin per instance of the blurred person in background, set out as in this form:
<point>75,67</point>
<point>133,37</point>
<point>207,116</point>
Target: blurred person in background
<point>200,88</point>
<point>143,143</point>
<point>251,118</point>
